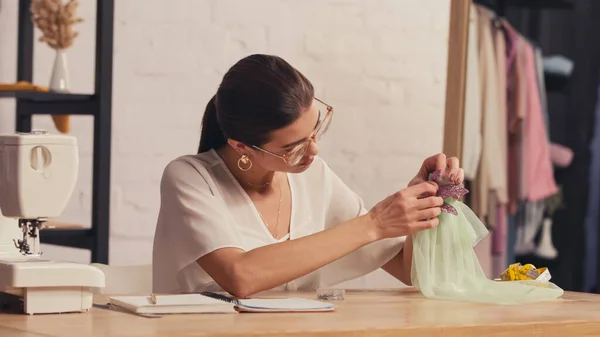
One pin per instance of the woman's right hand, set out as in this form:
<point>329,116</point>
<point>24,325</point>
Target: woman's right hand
<point>409,210</point>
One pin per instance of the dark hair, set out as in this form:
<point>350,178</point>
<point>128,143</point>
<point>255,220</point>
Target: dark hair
<point>258,94</point>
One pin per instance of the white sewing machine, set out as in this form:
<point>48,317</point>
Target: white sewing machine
<point>38,172</point>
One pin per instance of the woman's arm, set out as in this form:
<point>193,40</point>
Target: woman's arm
<point>245,273</point>
<point>400,266</point>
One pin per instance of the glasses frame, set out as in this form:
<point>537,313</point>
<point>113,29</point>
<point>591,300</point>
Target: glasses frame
<point>306,143</point>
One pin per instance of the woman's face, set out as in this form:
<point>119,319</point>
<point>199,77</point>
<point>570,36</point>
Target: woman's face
<point>299,133</point>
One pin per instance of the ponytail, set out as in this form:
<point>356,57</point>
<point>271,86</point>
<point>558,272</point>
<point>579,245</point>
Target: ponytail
<point>211,136</point>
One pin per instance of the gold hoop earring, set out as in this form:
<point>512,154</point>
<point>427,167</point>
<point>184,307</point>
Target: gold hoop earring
<point>244,163</point>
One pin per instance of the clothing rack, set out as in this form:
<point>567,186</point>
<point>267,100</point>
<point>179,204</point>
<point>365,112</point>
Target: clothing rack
<point>534,8</point>
<point>564,100</point>
<point>500,6</point>
<point>565,28</point>
<point>98,105</point>
<point>534,14</point>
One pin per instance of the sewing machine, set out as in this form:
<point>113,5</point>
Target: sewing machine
<point>38,172</point>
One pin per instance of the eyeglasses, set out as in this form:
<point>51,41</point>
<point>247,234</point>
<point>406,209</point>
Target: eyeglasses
<point>295,155</point>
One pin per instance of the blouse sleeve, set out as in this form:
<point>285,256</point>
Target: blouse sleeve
<point>344,205</point>
<point>192,222</point>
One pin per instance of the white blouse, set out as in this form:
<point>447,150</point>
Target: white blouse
<point>203,208</point>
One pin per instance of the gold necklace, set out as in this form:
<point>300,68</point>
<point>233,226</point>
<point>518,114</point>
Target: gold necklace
<point>265,185</point>
<point>276,235</point>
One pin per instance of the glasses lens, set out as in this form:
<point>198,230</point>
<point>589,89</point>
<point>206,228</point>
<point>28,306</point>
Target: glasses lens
<point>324,127</point>
<point>295,155</point>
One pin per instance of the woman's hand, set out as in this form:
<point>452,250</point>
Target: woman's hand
<point>407,211</point>
<point>450,169</point>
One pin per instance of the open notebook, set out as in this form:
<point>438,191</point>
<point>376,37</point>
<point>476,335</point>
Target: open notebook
<point>214,303</point>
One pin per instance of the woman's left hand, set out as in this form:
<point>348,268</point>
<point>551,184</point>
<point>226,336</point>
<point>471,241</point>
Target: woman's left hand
<point>450,168</point>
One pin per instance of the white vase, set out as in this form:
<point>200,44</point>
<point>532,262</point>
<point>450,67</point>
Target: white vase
<point>59,80</point>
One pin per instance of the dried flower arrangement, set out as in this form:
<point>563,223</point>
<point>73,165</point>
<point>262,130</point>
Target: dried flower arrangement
<point>447,189</point>
<point>55,19</point>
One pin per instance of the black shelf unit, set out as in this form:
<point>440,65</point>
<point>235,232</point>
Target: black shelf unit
<point>98,105</point>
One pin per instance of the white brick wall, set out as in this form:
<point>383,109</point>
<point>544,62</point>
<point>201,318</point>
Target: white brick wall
<point>381,64</point>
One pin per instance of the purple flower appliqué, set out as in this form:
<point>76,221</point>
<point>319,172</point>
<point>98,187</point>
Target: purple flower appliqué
<point>447,189</point>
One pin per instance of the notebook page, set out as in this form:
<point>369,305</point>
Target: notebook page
<point>168,300</point>
<point>285,304</point>
<point>187,299</point>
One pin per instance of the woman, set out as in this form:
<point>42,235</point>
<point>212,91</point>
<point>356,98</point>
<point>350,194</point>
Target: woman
<point>257,209</point>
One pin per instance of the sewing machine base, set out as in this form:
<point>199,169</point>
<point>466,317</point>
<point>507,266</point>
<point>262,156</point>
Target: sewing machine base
<point>46,300</point>
<point>45,287</point>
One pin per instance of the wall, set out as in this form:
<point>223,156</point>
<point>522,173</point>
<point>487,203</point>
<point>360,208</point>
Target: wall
<point>381,64</point>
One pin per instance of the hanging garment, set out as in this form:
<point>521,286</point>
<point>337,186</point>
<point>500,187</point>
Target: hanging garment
<point>534,215</point>
<point>515,231</point>
<point>472,119</point>
<point>494,127</point>
<point>491,177</point>
<point>524,131</point>
<point>560,155</point>
<point>500,236</point>
<point>445,267</point>
<point>516,112</point>
<point>497,205</point>
<point>511,238</point>
<point>557,71</point>
<point>539,70</point>
<point>538,167</point>
<point>558,65</point>
<point>479,186</point>
<point>592,218</point>
<point>537,177</point>
<point>546,249</point>
<point>500,159</point>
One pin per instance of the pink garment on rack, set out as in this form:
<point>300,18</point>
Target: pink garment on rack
<point>516,111</point>
<point>499,242</point>
<point>524,130</point>
<point>539,171</point>
<point>499,233</point>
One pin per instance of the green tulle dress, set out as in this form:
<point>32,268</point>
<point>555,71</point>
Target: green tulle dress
<point>445,267</point>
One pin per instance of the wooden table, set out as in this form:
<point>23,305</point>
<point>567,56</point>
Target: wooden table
<point>363,313</point>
